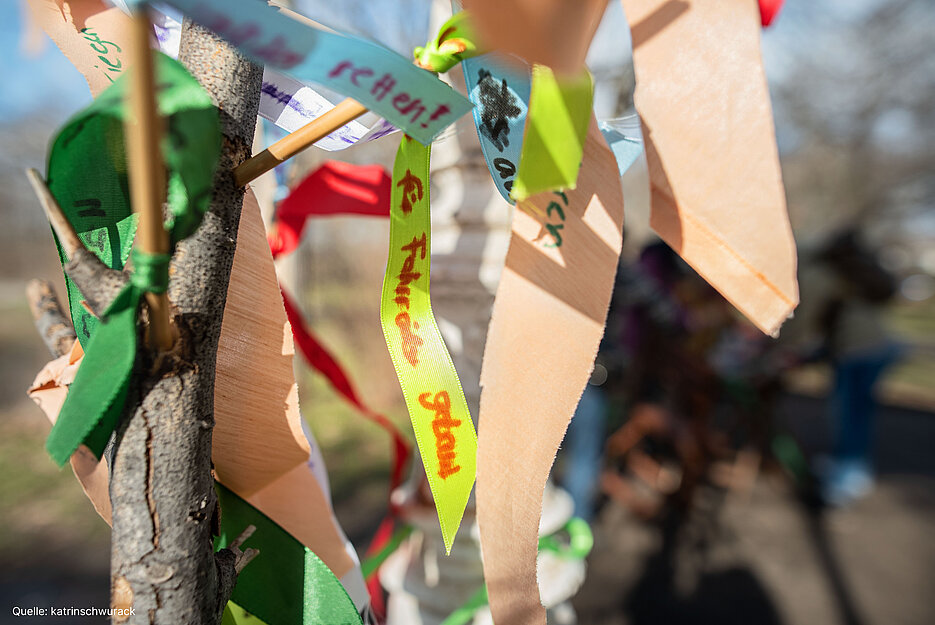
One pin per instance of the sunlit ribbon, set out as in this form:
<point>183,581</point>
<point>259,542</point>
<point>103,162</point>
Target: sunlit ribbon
<point>510,99</point>
<point>437,408</point>
<point>88,177</point>
<point>378,78</point>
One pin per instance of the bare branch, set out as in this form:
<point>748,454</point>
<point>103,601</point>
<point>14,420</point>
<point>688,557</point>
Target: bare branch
<point>99,284</point>
<point>162,486</point>
<point>63,229</point>
<point>244,535</point>
<point>51,322</point>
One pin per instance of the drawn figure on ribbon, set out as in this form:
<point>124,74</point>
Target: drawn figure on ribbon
<point>442,426</point>
<point>498,106</point>
<point>412,192</point>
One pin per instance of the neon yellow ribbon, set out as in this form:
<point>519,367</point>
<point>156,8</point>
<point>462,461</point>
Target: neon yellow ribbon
<point>437,408</point>
<point>556,128</point>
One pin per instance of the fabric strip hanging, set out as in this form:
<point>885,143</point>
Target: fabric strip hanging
<point>440,418</point>
<point>322,361</point>
<point>716,187</point>
<point>437,408</point>
<point>383,81</point>
<point>547,322</point>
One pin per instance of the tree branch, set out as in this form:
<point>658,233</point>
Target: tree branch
<point>162,488</point>
<point>98,283</point>
<point>51,322</point>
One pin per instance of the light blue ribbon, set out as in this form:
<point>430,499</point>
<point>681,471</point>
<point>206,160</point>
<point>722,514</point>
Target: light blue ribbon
<point>385,82</point>
<point>500,92</point>
<point>500,95</point>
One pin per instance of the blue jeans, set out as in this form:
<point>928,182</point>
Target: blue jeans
<point>584,448</point>
<point>853,404</point>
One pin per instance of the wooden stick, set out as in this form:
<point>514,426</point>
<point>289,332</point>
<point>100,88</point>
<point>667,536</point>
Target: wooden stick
<point>293,143</point>
<point>346,111</point>
<point>63,229</point>
<point>147,173</point>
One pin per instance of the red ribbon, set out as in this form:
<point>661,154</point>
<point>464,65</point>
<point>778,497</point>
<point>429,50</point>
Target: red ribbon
<point>338,188</point>
<point>335,188</point>
<point>769,9</point>
<point>319,359</point>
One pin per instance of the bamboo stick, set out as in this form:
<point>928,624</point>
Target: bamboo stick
<point>293,143</point>
<point>147,173</point>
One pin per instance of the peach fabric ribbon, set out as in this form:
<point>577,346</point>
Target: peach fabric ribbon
<point>717,194</point>
<point>547,322</point>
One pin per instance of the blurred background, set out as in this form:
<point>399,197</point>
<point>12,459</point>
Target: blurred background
<point>740,479</point>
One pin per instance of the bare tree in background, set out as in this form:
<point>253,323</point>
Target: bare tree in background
<point>857,108</point>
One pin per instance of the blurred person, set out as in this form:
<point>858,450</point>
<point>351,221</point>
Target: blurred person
<point>641,293</point>
<point>843,291</point>
<point>663,319</point>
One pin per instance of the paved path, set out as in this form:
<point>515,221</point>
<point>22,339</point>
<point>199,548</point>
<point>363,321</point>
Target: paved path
<point>774,560</point>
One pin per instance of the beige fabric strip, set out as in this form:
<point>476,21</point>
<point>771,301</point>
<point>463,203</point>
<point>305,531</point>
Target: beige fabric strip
<point>547,322</point>
<point>556,33</point>
<point>717,194</point>
<point>258,435</point>
<point>98,52</point>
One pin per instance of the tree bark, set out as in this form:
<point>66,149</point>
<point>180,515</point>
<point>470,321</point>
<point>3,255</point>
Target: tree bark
<point>162,489</point>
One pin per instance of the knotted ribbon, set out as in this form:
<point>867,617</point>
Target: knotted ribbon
<point>434,398</point>
<point>88,177</point>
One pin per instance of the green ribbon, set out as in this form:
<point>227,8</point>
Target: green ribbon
<point>464,613</point>
<point>87,171</point>
<point>580,540</point>
<point>96,398</point>
<point>286,584</point>
<point>556,128</point>
<point>454,43</point>
<point>88,177</point>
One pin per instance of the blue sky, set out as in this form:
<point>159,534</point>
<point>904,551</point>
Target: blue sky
<point>47,81</point>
